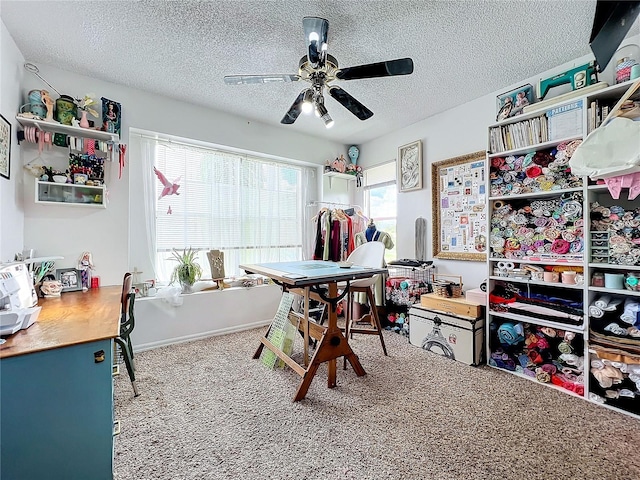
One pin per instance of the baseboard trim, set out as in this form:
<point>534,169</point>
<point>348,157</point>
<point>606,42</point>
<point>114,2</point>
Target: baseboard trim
<point>201,335</point>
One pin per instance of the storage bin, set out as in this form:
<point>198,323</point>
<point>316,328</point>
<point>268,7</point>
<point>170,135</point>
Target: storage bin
<point>458,338</point>
<point>476,295</point>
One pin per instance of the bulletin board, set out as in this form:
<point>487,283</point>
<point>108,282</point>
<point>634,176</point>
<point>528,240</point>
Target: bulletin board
<point>459,206</point>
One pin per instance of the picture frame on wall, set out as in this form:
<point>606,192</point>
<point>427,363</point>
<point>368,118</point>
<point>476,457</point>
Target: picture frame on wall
<point>409,167</point>
<point>70,278</point>
<point>5,148</point>
<point>459,207</point>
<point>111,116</point>
<point>510,104</point>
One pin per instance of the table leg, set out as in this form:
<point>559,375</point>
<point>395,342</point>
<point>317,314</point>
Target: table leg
<point>331,346</point>
<point>306,326</point>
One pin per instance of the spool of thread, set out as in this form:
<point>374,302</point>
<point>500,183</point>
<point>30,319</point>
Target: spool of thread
<point>614,281</point>
<point>635,72</point>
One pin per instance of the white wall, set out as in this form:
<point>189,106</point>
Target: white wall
<point>455,132</point>
<point>68,231</point>
<point>158,323</point>
<point>11,204</point>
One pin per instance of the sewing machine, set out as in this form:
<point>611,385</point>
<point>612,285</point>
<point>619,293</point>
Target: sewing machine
<point>18,299</point>
<point>578,77</point>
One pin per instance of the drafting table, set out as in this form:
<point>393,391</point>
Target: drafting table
<point>317,280</point>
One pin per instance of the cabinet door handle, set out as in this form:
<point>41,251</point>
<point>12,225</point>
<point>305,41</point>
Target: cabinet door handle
<point>116,427</point>
<point>116,370</point>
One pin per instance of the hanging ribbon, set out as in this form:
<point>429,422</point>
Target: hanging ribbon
<point>122,149</point>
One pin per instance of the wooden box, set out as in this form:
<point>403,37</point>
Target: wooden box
<point>453,306</point>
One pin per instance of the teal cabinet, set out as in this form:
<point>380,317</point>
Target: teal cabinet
<point>56,413</point>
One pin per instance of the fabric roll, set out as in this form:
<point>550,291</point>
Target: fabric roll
<point>595,311</point>
<point>612,305</point>
<point>631,313</point>
<point>631,306</point>
<point>603,301</point>
<point>630,318</point>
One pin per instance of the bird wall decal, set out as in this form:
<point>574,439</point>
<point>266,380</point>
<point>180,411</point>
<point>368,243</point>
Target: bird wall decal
<point>170,188</point>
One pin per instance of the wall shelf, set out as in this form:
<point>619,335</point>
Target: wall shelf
<point>343,176</point>
<point>70,195</point>
<point>56,127</point>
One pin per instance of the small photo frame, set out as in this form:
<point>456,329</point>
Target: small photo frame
<point>80,178</point>
<point>111,115</point>
<point>511,103</point>
<point>409,175</point>
<point>5,147</point>
<point>70,278</point>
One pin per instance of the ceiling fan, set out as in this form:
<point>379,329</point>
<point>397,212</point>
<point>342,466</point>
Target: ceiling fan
<point>320,69</point>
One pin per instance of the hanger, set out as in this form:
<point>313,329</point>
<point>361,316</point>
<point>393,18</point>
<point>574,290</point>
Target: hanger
<point>34,167</point>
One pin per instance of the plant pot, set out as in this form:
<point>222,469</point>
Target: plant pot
<point>186,287</point>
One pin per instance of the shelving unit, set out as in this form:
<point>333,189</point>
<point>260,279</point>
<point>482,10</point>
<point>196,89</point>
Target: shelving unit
<point>71,195</point>
<point>68,194</point>
<point>589,342</point>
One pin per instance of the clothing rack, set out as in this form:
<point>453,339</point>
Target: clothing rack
<point>333,204</point>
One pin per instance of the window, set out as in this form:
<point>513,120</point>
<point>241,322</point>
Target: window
<point>381,199</point>
<point>251,208</point>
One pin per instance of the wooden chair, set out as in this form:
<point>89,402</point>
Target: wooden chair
<point>370,254</point>
<point>127,323</point>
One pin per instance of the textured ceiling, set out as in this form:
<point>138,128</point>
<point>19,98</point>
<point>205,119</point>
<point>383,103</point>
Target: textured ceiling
<point>461,49</point>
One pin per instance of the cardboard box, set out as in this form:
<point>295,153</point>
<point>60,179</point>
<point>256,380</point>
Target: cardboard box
<point>452,306</point>
<point>461,339</point>
<point>476,295</point>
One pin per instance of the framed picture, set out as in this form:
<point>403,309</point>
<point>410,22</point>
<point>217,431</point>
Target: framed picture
<point>5,147</point>
<point>111,115</point>
<point>410,167</point>
<point>459,206</point>
<point>69,278</point>
<point>511,103</point>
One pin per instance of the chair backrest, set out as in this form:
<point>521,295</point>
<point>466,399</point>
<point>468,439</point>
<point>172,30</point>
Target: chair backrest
<point>128,322</point>
<point>127,283</point>
<point>370,254</point>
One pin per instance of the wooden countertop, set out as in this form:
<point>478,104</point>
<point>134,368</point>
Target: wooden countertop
<point>71,319</point>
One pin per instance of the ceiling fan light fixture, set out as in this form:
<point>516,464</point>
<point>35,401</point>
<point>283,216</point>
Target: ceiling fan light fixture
<point>328,121</point>
<point>307,101</point>
<point>322,112</point>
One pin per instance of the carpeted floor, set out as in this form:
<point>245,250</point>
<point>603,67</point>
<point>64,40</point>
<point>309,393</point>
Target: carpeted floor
<point>208,411</point>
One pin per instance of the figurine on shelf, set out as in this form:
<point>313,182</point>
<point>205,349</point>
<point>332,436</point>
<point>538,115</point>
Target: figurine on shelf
<point>47,176</point>
<point>48,102</point>
<point>339,165</point>
<point>85,265</point>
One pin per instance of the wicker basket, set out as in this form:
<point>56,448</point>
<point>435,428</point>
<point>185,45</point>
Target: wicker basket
<point>448,286</point>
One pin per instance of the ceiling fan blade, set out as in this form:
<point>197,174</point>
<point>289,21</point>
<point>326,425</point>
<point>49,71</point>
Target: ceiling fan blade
<point>315,34</point>
<point>294,111</point>
<point>248,79</point>
<point>350,103</point>
<point>401,66</point>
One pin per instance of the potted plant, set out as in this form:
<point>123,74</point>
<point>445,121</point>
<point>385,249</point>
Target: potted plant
<point>188,271</point>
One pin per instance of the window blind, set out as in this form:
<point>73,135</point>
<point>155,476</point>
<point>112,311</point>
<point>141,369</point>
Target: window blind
<point>249,207</point>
